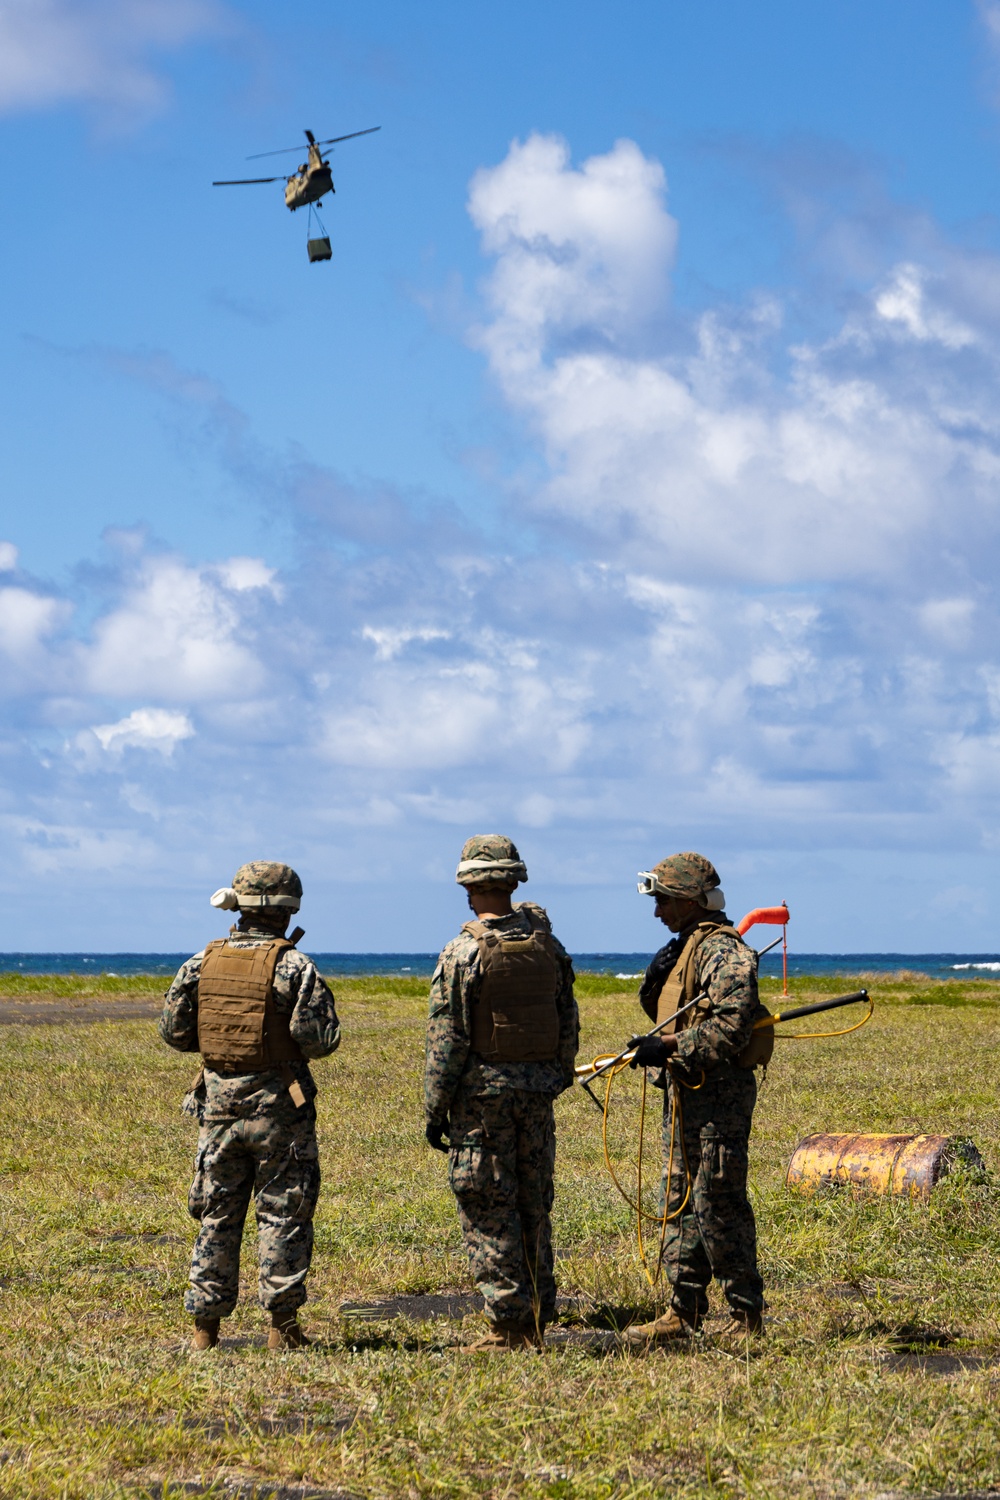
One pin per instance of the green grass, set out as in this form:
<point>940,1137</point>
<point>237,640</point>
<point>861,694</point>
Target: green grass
<point>99,1396</point>
<point>79,986</point>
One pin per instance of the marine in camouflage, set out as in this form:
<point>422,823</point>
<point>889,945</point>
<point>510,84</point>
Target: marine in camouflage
<point>253,1141</point>
<point>715,1234</point>
<point>501,1128</point>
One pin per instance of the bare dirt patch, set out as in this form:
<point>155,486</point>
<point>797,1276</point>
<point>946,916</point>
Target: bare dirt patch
<point>62,1012</point>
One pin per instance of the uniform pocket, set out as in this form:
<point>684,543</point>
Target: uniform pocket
<point>726,1163</point>
<point>304,1174</point>
<point>197,1196</point>
<point>470,1168</point>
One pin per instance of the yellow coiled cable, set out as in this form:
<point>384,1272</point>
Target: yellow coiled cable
<point>677,1131</point>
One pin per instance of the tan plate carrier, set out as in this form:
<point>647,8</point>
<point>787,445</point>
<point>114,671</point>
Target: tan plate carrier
<point>514,1016</point>
<point>239,1028</point>
<point>680,989</point>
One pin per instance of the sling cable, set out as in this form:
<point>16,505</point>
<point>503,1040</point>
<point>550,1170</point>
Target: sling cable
<point>609,1065</point>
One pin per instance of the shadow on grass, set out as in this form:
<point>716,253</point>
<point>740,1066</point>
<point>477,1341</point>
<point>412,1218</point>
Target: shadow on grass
<point>613,1316</point>
<point>929,1363</point>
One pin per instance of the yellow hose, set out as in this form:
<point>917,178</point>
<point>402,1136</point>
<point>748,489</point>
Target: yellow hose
<point>677,1131</point>
<point>816,1036</point>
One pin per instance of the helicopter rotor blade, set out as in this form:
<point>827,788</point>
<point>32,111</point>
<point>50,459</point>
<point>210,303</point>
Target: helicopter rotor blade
<point>245,181</point>
<point>335,138</point>
<point>285,150</point>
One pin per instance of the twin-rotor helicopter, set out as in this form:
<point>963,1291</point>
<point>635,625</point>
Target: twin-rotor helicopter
<point>307,186</point>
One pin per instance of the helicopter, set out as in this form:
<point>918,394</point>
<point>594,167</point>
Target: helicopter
<point>307,186</point>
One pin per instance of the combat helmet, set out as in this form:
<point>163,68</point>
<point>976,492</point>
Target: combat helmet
<point>688,876</point>
<point>489,859</point>
<point>261,883</point>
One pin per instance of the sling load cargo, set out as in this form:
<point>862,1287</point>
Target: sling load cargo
<point>306,187</point>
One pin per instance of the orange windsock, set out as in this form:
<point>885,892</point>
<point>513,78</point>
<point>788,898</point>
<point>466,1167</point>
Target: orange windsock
<point>776,915</point>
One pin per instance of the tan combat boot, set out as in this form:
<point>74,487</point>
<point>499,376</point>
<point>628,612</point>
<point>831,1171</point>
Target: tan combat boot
<point>666,1329</point>
<point>285,1332</point>
<point>206,1334</point>
<point>503,1336</point>
<point>747,1322</point>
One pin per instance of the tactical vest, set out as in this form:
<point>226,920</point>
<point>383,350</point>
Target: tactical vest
<point>681,987</point>
<point>514,1016</point>
<point>239,1029</point>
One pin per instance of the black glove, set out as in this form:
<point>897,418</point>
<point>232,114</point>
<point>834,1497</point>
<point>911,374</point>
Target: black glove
<point>435,1134</point>
<point>650,1052</point>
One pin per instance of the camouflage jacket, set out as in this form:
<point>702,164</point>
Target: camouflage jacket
<point>451,1063</point>
<point>299,993</point>
<point>726,972</point>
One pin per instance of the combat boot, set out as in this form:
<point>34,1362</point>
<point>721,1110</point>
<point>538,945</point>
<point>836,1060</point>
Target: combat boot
<point>666,1329</point>
<point>746,1321</point>
<point>505,1335</point>
<point>206,1334</point>
<point>285,1332</point>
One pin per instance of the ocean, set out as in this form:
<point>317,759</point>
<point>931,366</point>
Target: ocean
<point>421,965</point>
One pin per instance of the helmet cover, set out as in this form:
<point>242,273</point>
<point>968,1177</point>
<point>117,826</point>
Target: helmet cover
<point>490,859</point>
<point>688,877</point>
<point>261,883</point>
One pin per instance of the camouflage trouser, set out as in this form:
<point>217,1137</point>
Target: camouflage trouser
<point>278,1163</point>
<point>503,1153</point>
<point>715,1234</point>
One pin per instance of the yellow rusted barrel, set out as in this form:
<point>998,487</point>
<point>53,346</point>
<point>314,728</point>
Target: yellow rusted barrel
<point>903,1164</point>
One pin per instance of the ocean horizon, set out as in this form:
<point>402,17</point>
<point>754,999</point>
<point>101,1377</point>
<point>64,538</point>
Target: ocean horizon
<point>421,965</point>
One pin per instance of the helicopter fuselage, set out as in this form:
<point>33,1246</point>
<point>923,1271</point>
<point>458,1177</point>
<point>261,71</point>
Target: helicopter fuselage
<point>310,182</point>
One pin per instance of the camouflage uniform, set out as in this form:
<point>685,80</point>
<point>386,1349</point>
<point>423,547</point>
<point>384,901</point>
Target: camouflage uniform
<point>716,1233</point>
<point>501,1125</point>
<point>254,1141</point>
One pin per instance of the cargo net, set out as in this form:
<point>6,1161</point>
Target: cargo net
<point>318,241</point>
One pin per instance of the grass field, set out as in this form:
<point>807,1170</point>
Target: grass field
<point>878,1374</point>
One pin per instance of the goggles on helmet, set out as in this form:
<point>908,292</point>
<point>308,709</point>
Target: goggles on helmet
<point>713,900</point>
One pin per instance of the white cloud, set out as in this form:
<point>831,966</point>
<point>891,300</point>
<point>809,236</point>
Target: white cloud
<point>575,249</point>
<point>244,573</point>
<point>905,302</point>
<point>948,620</point>
<point>708,460</point>
<point>159,729</point>
<point>494,703</point>
<point>25,620</point>
<point>59,849</point>
<point>8,557</point>
<point>389,641</point>
<point>94,51</point>
<point>176,635</point>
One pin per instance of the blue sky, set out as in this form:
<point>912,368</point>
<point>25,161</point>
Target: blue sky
<point>628,481</point>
